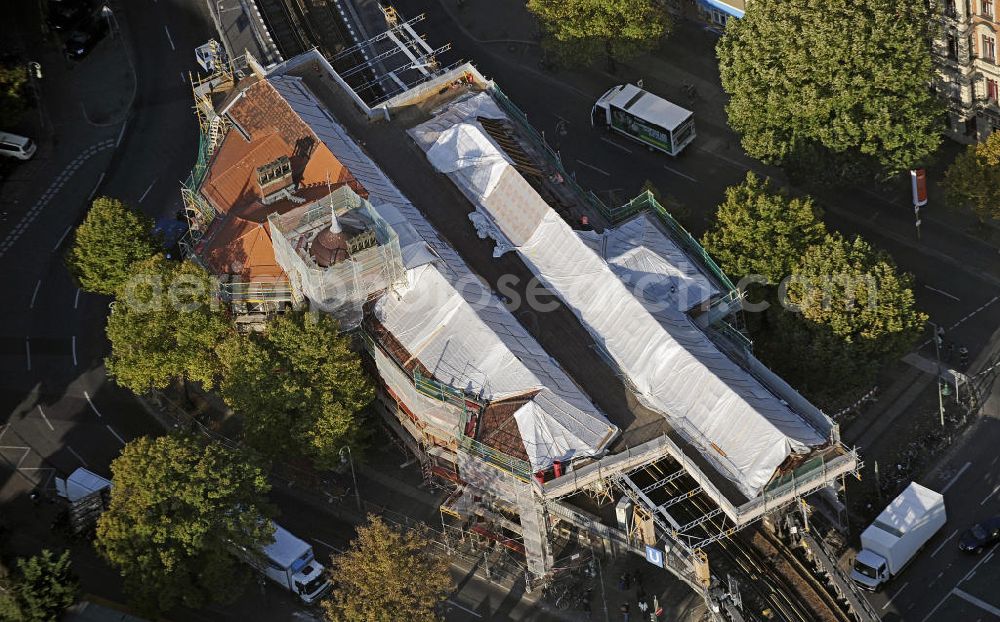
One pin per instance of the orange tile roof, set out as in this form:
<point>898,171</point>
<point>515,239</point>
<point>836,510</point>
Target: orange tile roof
<point>238,241</point>
<point>242,248</point>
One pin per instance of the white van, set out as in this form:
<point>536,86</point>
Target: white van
<point>290,562</point>
<point>14,146</point>
<point>647,118</point>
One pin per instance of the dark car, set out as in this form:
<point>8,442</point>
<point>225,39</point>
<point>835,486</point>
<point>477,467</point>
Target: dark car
<point>66,14</point>
<point>84,37</point>
<point>980,536</point>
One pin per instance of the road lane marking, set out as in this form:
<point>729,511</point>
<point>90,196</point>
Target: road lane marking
<point>969,316</point>
<point>42,413</point>
<point>169,38</point>
<point>943,293</point>
<point>78,456</point>
<point>92,407</point>
<point>183,78</point>
<point>738,165</point>
<point>100,180</point>
<point>35,294</point>
<point>121,132</point>
<point>943,542</point>
<point>978,564</point>
<point>27,350</point>
<point>975,601</point>
<point>74,350</point>
<point>888,602</point>
<point>112,430</point>
<point>76,299</point>
<point>676,172</point>
<point>983,502</point>
<point>465,609</point>
<point>954,479</point>
<point>614,144</point>
<point>328,545</point>
<point>147,191</point>
<point>50,193</point>
<point>62,237</point>
<point>591,166</point>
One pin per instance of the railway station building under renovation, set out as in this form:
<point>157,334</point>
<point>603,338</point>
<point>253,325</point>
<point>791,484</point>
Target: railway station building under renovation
<point>573,385</point>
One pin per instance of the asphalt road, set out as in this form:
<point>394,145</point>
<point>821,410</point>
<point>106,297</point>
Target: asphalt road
<point>54,335</point>
<point>939,581</point>
<point>61,412</point>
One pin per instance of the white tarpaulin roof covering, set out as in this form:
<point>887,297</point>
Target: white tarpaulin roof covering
<point>439,328</point>
<point>476,154</point>
<point>566,423</point>
<point>651,264</point>
<point>739,425</point>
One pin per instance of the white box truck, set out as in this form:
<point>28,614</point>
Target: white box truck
<point>647,118</point>
<point>901,530</point>
<point>290,562</point>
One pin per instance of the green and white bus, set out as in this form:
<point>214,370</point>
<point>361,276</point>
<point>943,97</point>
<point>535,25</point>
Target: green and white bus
<point>644,117</point>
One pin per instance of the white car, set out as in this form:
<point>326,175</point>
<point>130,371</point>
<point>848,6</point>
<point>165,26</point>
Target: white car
<point>14,146</point>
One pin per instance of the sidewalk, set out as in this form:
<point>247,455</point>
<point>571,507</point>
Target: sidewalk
<point>891,404</point>
<point>79,119</point>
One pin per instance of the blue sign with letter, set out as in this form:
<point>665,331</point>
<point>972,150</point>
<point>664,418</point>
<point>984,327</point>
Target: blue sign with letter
<point>654,556</point>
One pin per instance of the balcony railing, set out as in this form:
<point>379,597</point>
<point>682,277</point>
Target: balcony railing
<point>520,469</point>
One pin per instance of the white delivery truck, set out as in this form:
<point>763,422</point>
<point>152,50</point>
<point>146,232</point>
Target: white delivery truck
<point>642,116</point>
<point>902,528</point>
<point>290,562</point>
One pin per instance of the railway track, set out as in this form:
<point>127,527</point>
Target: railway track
<point>780,582</point>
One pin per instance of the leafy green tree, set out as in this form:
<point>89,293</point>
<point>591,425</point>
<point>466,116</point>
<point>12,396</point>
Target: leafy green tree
<point>844,77</point>
<point>299,387</point>
<point>810,357</point>
<point>13,79</point>
<point>759,231</point>
<point>165,325</point>
<point>178,510</point>
<point>45,588</point>
<point>857,313</point>
<point>111,240</point>
<point>387,575</point>
<point>579,32</point>
<point>973,179</point>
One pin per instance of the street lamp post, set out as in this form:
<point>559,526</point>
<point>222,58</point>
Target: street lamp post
<point>938,337</point>
<point>34,76</point>
<point>109,15</point>
<point>349,459</point>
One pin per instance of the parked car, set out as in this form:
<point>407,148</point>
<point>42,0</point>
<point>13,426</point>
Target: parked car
<point>81,40</point>
<point>981,535</point>
<point>64,15</point>
<point>14,146</point>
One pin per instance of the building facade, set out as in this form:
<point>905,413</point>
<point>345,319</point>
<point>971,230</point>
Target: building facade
<point>717,12</point>
<point>968,77</point>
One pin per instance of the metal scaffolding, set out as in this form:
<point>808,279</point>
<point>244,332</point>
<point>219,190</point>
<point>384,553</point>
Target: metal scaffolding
<point>342,288</point>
